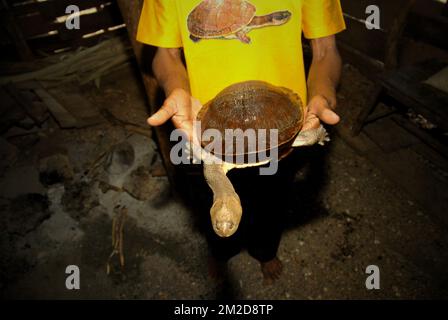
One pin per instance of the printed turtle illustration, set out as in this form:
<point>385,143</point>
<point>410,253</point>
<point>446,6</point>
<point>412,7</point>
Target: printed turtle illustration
<point>255,105</point>
<point>229,19</point>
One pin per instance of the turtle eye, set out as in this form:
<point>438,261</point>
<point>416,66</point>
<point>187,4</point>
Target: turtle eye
<point>225,228</point>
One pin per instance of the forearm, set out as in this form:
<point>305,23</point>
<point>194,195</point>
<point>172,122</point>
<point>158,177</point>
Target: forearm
<point>169,70</point>
<point>325,70</point>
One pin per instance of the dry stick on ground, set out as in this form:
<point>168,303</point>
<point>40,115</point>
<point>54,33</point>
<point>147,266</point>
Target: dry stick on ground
<point>129,126</point>
<point>91,172</point>
<point>117,237</point>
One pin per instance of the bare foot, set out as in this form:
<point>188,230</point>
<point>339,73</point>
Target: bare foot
<point>271,270</point>
<point>217,270</point>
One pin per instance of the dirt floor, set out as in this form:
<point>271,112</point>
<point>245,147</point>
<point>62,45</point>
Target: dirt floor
<point>61,189</point>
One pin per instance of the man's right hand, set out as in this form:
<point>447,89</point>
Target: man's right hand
<point>181,108</point>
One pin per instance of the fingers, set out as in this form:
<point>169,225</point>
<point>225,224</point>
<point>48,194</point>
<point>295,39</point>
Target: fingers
<point>196,106</point>
<point>163,114</point>
<point>320,108</point>
<point>187,127</point>
<point>311,122</point>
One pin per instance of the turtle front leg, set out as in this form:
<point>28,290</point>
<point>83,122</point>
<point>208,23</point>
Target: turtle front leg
<point>195,39</point>
<point>312,132</point>
<point>226,211</point>
<point>311,137</point>
<point>242,36</point>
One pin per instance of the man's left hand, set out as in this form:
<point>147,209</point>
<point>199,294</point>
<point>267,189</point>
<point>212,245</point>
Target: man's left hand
<point>320,107</point>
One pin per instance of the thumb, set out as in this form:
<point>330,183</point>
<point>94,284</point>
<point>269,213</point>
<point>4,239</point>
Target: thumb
<point>324,114</point>
<point>319,105</point>
<point>328,116</point>
<point>163,114</point>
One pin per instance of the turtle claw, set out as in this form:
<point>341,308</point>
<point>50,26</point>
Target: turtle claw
<point>312,136</point>
<point>195,39</point>
<point>242,36</point>
<point>323,136</point>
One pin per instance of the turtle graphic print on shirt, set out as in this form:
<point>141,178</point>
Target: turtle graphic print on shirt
<point>274,55</point>
<point>229,19</point>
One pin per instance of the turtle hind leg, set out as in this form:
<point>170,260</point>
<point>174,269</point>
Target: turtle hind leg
<point>242,36</point>
<point>194,38</point>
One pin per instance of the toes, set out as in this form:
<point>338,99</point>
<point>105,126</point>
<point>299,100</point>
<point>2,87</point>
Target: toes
<point>272,270</point>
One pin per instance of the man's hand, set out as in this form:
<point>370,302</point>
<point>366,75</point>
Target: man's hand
<point>323,78</point>
<point>179,105</point>
<point>320,106</point>
<point>181,108</point>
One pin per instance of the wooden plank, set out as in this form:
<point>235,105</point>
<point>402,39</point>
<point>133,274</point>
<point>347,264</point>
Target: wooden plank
<point>429,9</point>
<point>413,52</point>
<point>395,35</point>
<point>131,9</point>
<point>103,19</point>
<point>425,137</point>
<point>24,99</point>
<point>381,44</point>
<point>52,43</point>
<point>14,2</point>
<point>10,113</point>
<point>53,8</point>
<point>57,8</point>
<point>86,113</point>
<point>370,42</point>
<point>37,24</point>
<point>367,65</point>
<point>405,86</point>
<point>388,9</point>
<point>432,30</point>
<point>12,27</point>
<point>62,116</point>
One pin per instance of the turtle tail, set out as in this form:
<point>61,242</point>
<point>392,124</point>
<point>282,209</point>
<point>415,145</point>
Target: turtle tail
<point>273,19</point>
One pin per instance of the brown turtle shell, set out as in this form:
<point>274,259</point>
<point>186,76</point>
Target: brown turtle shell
<point>215,18</point>
<point>253,105</point>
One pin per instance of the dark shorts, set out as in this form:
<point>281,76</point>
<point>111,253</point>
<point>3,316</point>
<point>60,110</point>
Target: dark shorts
<point>264,202</point>
<point>267,202</point>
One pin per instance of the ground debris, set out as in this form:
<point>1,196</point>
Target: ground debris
<point>141,185</point>
<point>120,159</point>
<point>79,198</point>
<point>8,153</point>
<point>105,187</point>
<point>117,237</point>
<point>128,126</point>
<point>54,169</point>
<point>26,213</point>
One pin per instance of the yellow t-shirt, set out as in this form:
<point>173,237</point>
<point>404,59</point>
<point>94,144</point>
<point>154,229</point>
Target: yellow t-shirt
<point>268,48</point>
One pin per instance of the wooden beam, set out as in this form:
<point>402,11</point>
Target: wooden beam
<point>10,24</point>
<point>131,9</point>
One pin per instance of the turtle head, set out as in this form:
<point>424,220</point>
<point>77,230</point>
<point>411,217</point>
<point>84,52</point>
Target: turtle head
<point>280,17</point>
<point>226,215</point>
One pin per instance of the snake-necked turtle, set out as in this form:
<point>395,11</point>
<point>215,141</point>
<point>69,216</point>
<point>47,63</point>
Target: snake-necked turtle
<point>229,19</point>
<point>247,105</point>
